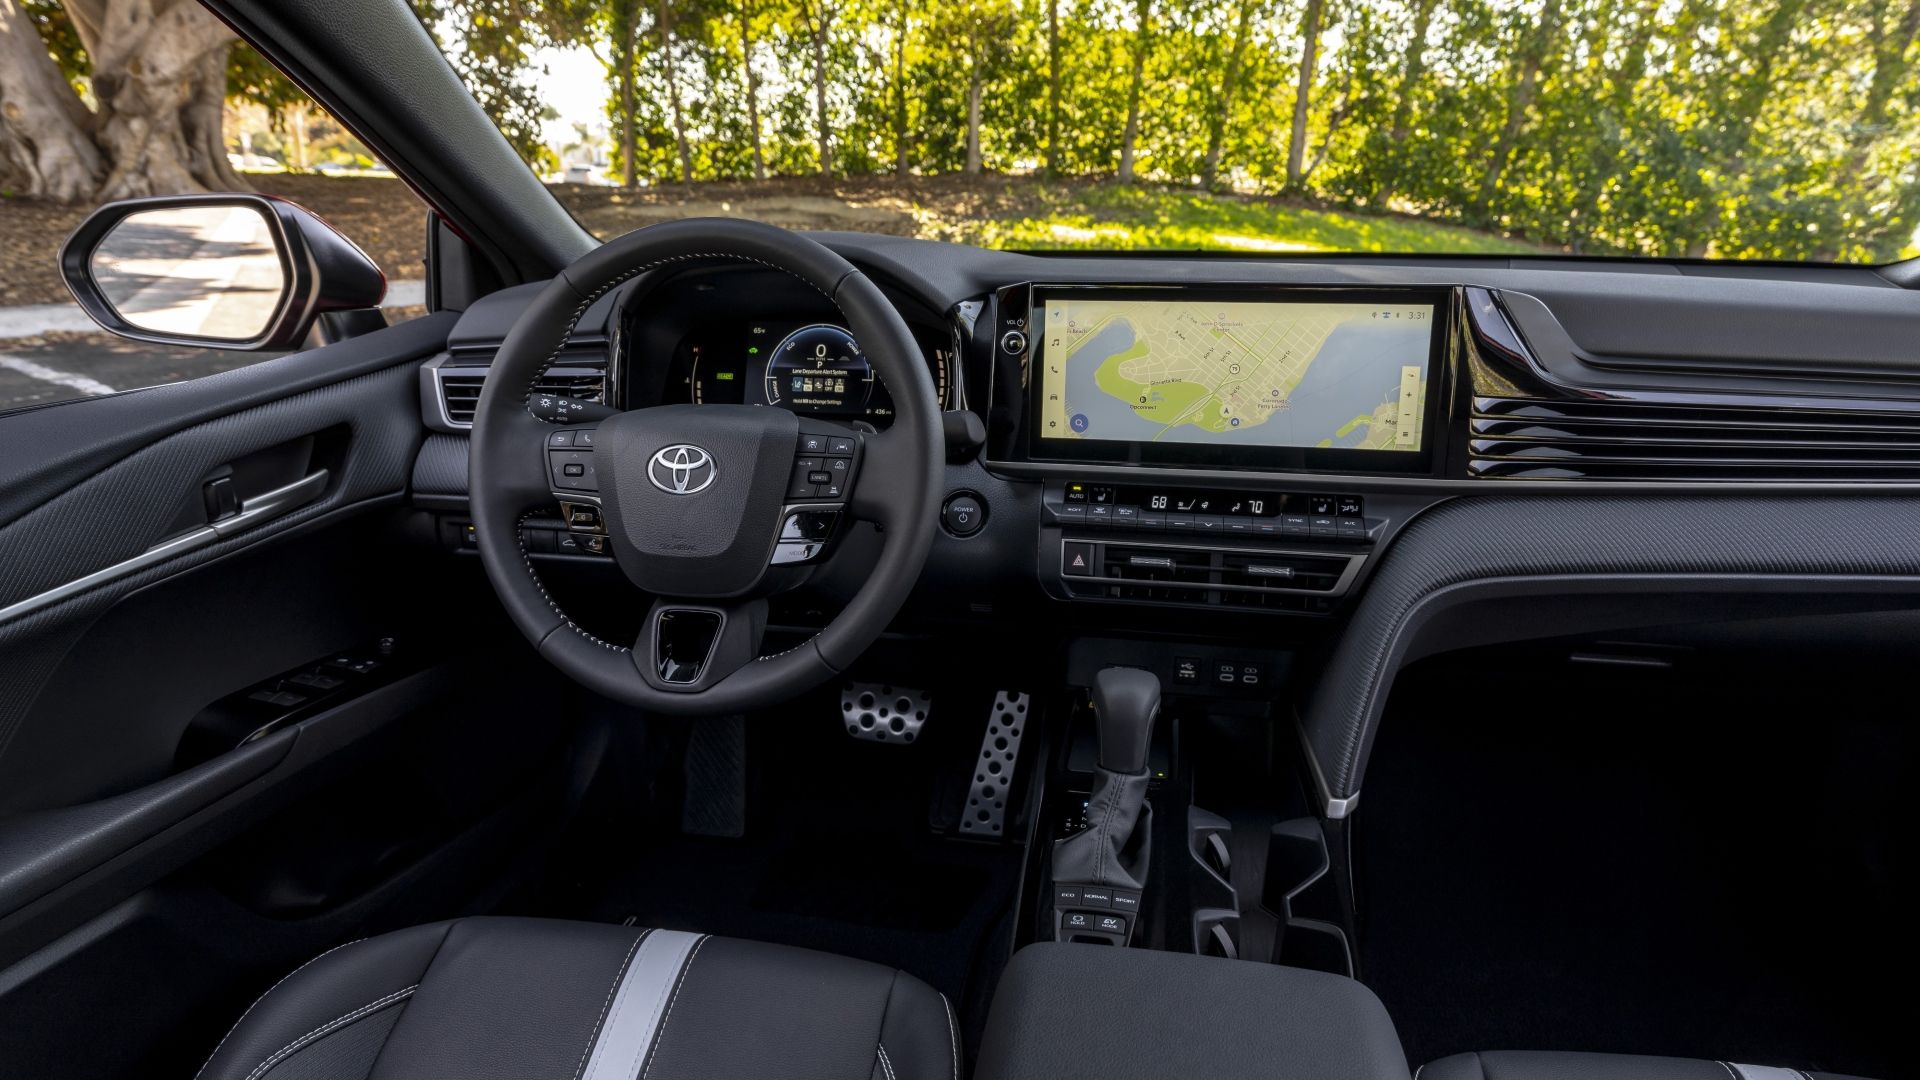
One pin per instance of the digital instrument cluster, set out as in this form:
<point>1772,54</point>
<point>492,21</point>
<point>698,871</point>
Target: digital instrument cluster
<point>815,369</point>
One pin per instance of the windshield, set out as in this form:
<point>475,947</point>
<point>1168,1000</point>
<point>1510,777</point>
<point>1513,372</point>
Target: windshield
<point>1720,129</point>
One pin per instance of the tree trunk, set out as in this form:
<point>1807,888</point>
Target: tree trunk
<point>1302,98</point>
<point>44,146</point>
<point>1229,83</point>
<point>1053,87</point>
<point>1142,38</point>
<point>753,91</point>
<point>976,86</point>
<point>822,16</point>
<point>665,22</point>
<point>1403,97</point>
<point>1519,103</point>
<point>627,26</point>
<point>900,156</point>
<point>297,128</point>
<point>150,68</point>
<point>204,122</point>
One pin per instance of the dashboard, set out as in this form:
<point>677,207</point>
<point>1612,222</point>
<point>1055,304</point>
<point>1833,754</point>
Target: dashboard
<point>1245,438</point>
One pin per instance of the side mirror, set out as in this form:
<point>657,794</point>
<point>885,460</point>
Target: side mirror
<point>226,271</point>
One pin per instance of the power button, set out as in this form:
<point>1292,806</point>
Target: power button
<point>963,515</point>
<point>1013,342</point>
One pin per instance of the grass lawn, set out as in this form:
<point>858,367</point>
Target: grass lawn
<point>1111,217</point>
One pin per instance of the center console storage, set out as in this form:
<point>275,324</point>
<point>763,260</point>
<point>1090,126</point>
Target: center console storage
<point>1083,1012</point>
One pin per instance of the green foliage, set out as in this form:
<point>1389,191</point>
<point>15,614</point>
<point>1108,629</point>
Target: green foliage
<point>1783,129</point>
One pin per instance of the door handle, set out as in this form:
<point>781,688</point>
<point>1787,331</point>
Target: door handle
<point>271,504</point>
<point>257,510</point>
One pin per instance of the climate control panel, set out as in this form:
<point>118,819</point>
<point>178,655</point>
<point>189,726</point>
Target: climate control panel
<point>1261,551</point>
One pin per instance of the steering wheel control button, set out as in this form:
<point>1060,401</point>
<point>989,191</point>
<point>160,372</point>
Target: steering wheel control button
<point>963,515</point>
<point>1013,342</point>
<point>809,525</point>
<point>572,470</point>
<point>839,447</point>
<point>794,552</point>
<point>561,438</point>
<point>813,444</point>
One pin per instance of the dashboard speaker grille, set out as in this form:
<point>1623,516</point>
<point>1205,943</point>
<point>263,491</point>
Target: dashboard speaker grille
<point>1530,439</point>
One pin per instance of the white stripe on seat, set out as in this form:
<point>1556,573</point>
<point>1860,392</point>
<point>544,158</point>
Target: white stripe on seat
<point>639,1005</point>
<point>1766,1072</point>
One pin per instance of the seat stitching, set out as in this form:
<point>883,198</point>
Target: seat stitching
<point>885,1065</point>
<point>953,1034</point>
<point>327,1028</point>
<point>263,997</point>
<point>618,977</point>
<point>660,1033</point>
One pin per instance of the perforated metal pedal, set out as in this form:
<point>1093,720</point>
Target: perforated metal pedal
<point>986,811</point>
<point>883,712</point>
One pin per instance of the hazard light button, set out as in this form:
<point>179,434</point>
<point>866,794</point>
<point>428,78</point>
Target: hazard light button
<point>1078,559</point>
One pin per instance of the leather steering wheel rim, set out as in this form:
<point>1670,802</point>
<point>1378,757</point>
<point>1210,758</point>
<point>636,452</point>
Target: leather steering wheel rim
<point>899,489</point>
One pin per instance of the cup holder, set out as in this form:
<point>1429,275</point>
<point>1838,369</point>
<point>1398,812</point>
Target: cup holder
<point>1299,891</point>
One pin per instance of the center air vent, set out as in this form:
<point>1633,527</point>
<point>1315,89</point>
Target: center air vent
<point>1527,439</point>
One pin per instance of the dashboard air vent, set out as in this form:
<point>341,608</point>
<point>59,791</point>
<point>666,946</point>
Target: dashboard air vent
<point>460,390</point>
<point>1530,439</point>
<point>461,394</point>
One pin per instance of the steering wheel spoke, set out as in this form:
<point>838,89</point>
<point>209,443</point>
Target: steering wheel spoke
<point>889,478</point>
<point>692,646</point>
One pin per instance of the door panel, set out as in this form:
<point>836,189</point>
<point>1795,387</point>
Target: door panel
<point>131,597</point>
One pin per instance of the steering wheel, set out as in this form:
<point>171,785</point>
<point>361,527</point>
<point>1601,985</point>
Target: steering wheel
<point>709,508</point>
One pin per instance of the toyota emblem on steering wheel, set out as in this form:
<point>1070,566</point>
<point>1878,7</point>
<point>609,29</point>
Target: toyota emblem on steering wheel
<point>682,469</point>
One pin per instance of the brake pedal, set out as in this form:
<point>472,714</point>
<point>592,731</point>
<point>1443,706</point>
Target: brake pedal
<point>986,810</point>
<point>883,712</point>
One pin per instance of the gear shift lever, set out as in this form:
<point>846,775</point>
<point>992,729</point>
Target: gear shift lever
<point>1105,865</point>
<point>1125,702</point>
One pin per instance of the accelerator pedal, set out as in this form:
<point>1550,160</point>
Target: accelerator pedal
<point>882,712</point>
<point>985,815</point>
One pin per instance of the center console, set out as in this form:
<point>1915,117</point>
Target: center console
<point>1129,1014</point>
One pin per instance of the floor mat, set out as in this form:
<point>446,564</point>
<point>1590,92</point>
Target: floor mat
<point>837,856</point>
<point>1537,876</point>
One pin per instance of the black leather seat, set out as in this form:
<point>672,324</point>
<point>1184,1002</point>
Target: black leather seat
<point>532,999</point>
<point>1544,1065</point>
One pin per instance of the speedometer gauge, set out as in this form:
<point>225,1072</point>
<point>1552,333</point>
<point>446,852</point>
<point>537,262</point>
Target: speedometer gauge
<point>820,370</point>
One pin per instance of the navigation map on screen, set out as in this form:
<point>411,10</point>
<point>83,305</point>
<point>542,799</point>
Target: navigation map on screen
<point>1346,375</point>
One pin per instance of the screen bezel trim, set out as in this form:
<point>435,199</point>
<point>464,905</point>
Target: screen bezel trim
<point>1040,449</point>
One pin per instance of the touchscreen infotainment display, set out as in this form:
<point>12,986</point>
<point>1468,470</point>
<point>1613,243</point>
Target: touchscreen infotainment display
<point>1237,374</point>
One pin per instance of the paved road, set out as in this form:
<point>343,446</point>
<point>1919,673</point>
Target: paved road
<point>52,352</point>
